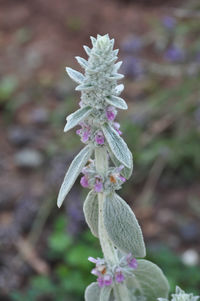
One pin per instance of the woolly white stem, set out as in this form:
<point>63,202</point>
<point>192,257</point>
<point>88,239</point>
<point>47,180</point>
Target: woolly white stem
<point>109,251</point>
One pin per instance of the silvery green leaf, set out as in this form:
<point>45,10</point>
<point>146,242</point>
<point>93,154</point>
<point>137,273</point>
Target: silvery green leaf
<point>105,293</point>
<point>76,117</point>
<point>125,172</point>
<point>75,75</point>
<point>117,66</point>
<point>84,88</point>
<point>119,89</point>
<point>87,50</point>
<point>115,76</point>
<point>117,102</point>
<point>73,172</point>
<point>93,40</point>
<point>122,226</point>
<point>82,62</point>
<point>117,145</point>
<point>115,52</point>
<point>90,209</point>
<point>92,292</point>
<point>149,280</point>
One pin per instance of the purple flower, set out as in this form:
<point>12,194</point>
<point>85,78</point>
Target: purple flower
<point>116,126</point>
<point>99,138</point>
<point>132,262</point>
<point>169,22</point>
<point>100,281</point>
<point>84,132</point>
<point>107,280</point>
<point>92,259</point>
<point>111,113</point>
<point>174,54</point>
<point>84,182</point>
<point>122,178</point>
<point>132,44</point>
<point>119,277</point>
<point>98,187</point>
<point>132,67</point>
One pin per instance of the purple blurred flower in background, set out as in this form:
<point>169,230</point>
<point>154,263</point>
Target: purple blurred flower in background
<point>174,54</point>
<point>131,44</point>
<point>169,22</point>
<point>132,67</point>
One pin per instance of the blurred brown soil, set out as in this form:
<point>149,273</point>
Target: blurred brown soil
<point>57,30</point>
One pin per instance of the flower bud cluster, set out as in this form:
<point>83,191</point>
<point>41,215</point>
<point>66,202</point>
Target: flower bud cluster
<point>107,275</point>
<point>99,89</point>
<point>109,182</point>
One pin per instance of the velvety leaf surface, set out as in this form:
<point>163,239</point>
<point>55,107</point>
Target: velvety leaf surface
<point>73,172</point>
<point>149,280</point>
<point>75,75</point>
<point>105,293</point>
<point>117,145</point>
<point>76,117</point>
<point>122,226</point>
<point>126,172</point>
<point>92,292</point>
<point>90,209</point>
<point>117,102</point>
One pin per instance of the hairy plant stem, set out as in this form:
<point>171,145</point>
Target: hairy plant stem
<point>108,249</point>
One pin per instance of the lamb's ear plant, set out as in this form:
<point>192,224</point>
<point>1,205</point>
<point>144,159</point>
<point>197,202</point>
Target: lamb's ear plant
<point>106,163</point>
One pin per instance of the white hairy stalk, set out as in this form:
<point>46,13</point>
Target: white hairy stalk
<point>108,248</point>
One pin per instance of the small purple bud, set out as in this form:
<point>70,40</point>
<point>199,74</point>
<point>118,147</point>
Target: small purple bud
<point>117,127</point>
<point>122,179</point>
<point>119,277</point>
<point>85,135</point>
<point>84,182</point>
<point>98,187</point>
<point>99,138</point>
<point>92,259</point>
<point>111,113</point>
<point>100,281</point>
<point>107,280</point>
<point>132,262</point>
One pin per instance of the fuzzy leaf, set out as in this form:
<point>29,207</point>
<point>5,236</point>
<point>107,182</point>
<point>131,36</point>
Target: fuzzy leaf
<point>75,75</point>
<point>119,89</point>
<point>105,293</point>
<point>84,88</point>
<point>117,102</point>
<point>82,62</point>
<point>117,145</point>
<point>117,66</point>
<point>115,76</point>
<point>92,292</point>
<point>149,280</point>
<point>73,172</point>
<point>125,172</point>
<point>122,226</point>
<point>90,209</point>
<point>87,50</point>
<point>76,117</point>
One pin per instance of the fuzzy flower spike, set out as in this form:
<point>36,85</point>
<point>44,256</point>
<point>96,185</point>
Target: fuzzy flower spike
<point>106,163</point>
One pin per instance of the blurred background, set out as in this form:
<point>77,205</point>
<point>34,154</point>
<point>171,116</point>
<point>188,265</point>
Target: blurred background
<point>44,250</point>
